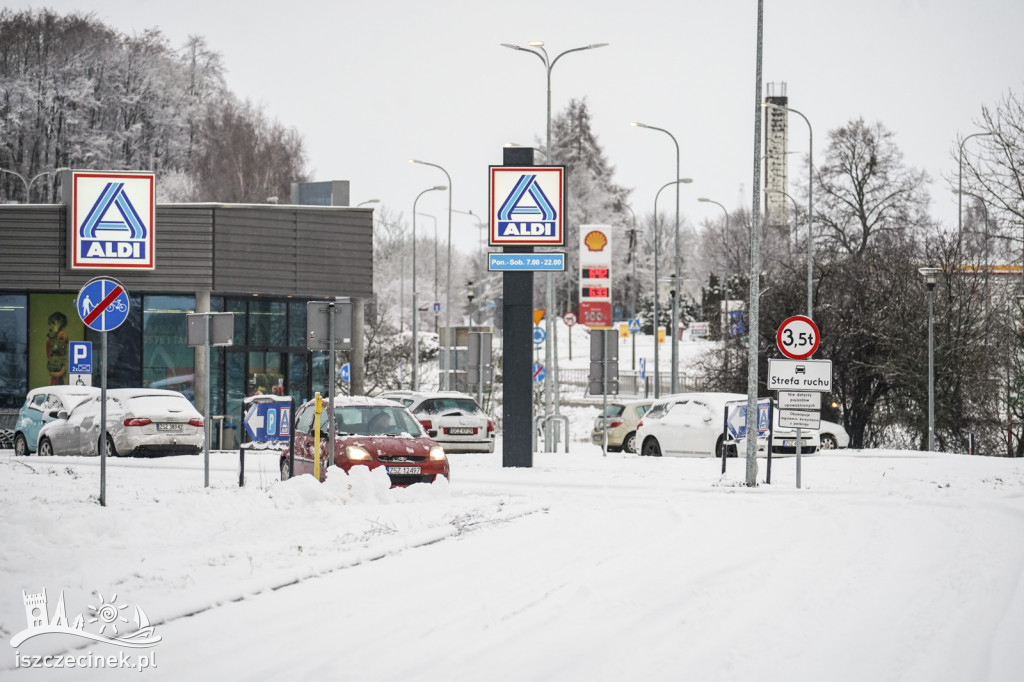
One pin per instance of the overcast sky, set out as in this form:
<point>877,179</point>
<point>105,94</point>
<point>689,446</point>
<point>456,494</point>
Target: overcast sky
<point>370,85</point>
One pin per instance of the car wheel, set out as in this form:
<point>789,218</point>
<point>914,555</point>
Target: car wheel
<point>828,442</point>
<point>45,448</point>
<point>111,450</point>
<point>629,442</point>
<point>720,447</point>
<point>651,448</point>
<point>20,446</point>
<point>286,470</point>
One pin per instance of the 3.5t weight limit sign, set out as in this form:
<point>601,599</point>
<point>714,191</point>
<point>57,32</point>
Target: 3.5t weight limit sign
<point>798,337</point>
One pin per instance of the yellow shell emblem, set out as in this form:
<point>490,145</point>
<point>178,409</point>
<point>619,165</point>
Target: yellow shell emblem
<point>596,241</point>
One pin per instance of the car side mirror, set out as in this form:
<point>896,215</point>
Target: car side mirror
<point>59,414</point>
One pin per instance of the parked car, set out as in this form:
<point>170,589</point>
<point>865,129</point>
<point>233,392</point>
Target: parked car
<point>453,419</point>
<point>42,406</point>
<point>371,432</point>
<point>621,419</point>
<point>140,421</point>
<point>693,424</point>
<point>833,435</point>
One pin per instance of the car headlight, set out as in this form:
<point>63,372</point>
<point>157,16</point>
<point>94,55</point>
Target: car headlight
<point>436,453</point>
<point>354,452</point>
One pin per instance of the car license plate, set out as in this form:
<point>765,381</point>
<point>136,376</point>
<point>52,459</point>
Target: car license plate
<point>461,431</point>
<point>400,471</point>
<point>169,427</point>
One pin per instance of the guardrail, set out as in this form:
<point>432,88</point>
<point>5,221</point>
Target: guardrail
<point>575,383</point>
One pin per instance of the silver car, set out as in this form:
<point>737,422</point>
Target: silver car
<point>140,421</point>
<point>453,419</point>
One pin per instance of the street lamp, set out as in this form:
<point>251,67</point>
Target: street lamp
<point>675,299</point>
<point>436,262</point>
<point>810,205</point>
<point>795,208</point>
<point>657,376</point>
<point>415,329</point>
<point>368,201</point>
<point>448,279</point>
<point>960,183</point>
<point>727,297</point>
<point>28,183</point>
<point>536,48</point>
<point>479,223</point>
<point>931,277</point>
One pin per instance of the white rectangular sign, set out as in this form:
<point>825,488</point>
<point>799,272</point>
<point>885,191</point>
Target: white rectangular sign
<point>527,205</point>
<point>799,419</point>
<point>111,219</point>
<point>799,400</point>
<point>799,375</point>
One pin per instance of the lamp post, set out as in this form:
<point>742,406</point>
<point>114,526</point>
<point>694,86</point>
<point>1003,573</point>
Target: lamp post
<point>368,201</point>
<point>479,223</point>
<point>415,330</point>
<point>810,205</point>
<point>657,357</point>
<point>960,183</point>
<point>931,277</point>
<point>727,296</point>
<point>795,207</point>
<point>443,385</point>
<point>675,299</point>
<point>28,183</point>
<point>436,262</point>
<point>536,48</point>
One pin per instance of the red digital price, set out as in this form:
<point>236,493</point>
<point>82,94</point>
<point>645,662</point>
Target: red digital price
<point>595,292</point>
<point>595,273</point>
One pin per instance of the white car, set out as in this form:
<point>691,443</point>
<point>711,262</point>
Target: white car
<point>140,421</point>
<point>693,424</point>
<point>453,419</point>
<point>833,435</point>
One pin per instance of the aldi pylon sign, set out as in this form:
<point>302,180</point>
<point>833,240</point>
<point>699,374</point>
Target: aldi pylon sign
<point>111,219</point>
<point>527,205</point>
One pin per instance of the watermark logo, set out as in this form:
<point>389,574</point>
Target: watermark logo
<point>114,622</point>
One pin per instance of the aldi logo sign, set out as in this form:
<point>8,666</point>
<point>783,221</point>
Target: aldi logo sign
<point>527,206</point>
<point>112,220</point>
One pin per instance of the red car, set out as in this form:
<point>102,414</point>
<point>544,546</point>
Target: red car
<point>369,432</point>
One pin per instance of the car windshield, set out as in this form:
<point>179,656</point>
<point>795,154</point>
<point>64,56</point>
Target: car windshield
<point>375,420</point>
<point>657,411</point>
<point>452,406</point>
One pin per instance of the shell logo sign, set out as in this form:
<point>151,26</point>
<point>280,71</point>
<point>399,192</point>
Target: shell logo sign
<point>595,241</point>
<point>596,276</point>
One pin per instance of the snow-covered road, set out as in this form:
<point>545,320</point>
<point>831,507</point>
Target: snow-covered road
<point>885,566</point>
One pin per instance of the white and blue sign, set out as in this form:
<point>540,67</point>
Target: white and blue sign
<point>526,262</point>
<point>527,205</point>
<point>80,357</point>
<point>267,421</point>
<point>538,373</point>
<point>345,372</point>
<point>437,306</point>
<point>643,368</point>
<point>539,335</point>
<point>103,304</point>
<point>736,420</point>
<point>112,220</point>
<point>634,326</point>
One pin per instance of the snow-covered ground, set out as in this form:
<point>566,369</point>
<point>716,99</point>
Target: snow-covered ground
<point>885,565</point>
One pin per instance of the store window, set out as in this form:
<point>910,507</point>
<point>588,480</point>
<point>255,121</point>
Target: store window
<point>13,350</point>
<point>124,348</point>
<point>167,359</point>
<point>268,323</point>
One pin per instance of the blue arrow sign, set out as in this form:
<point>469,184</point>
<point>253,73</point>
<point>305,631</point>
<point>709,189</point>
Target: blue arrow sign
<point>103,304</point>
<point>269,421</point>
<point>736,421</point>
<point>80,357</point>
<point>345,372</point>
<point>539,335</point>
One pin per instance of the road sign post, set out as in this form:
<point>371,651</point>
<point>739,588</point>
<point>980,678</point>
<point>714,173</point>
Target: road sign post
<point>209,329</point>
<point>103,305</point>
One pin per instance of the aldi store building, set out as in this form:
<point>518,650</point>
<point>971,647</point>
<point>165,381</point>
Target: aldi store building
<point>260,262</point>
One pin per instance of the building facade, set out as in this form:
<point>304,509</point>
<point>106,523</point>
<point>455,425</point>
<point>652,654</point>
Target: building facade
<point>260,262</point>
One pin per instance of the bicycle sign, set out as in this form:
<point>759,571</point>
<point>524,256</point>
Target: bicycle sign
<point>798,337</point>
<point>103,304</point>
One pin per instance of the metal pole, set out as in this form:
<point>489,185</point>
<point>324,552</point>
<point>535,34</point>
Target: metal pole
<point>206,404</point>
<point>960,183</point>
<point>657,357</point>
<point>103,420</point>
<point>931,369</point>
<point>415,328</point>
<point>753,330</point>
<point>330,385</point>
